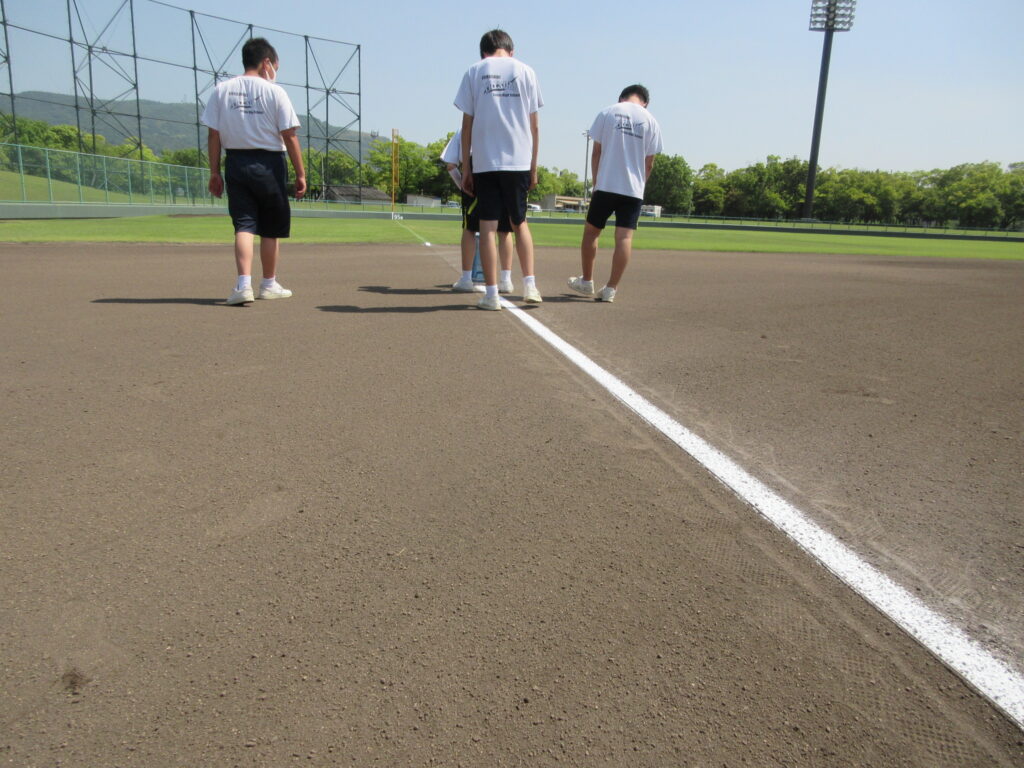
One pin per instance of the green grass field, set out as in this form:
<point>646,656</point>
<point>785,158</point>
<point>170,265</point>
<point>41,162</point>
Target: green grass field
<point>217,229</point>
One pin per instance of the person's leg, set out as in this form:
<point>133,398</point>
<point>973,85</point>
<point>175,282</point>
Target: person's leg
<point>588,250</point>
<point>505,250</point>
<point>243,253</point>
<point>468,247</point>
<point>524,248</point>
<point>620,258</point>
<point>489,253</point>
<point>270,248</point>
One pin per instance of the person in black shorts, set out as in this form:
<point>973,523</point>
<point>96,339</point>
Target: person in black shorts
<point>253,120</point>
<point>499,99</point>
<point>452,158</point>
<point>626,139</point>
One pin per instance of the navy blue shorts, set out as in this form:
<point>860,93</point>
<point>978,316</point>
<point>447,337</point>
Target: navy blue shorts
<point>500,194</point>
<point>471,215</point>
<point>256,181</point>
<point>604,204</point>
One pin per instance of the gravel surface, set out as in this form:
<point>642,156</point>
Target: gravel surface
<point>371,525</point>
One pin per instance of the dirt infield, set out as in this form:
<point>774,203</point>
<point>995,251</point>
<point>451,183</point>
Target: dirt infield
<point>371,525</point>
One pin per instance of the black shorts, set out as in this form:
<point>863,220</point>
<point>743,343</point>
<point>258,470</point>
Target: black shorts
<point>471,215</point>
<point>256,181</point>
<point>502,193</point>
<point>604,204</point>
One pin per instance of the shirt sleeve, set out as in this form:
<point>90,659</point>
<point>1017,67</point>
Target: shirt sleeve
<point>597,129</point>
<point>536,98</point>
<point>654,145</point>
<point>453,149</point>
<point>286,117</point>
<point>464,98</point>
<point>211,112</point>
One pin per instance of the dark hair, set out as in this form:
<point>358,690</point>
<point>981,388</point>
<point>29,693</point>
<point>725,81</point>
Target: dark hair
<point>636,90</point>
<point>255,50</point>
<point>493,41</point>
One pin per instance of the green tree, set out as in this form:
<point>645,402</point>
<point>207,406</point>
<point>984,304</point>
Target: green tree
<point>670,184</point>
<point>547,184</point>
<point>414,167</point>
<point>569,184</point>
<point>439,183</point>
<point>709,191</point>
<point>192,158</point>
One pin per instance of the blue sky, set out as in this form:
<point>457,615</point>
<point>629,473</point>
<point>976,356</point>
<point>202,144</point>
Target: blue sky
<point>917,84</point>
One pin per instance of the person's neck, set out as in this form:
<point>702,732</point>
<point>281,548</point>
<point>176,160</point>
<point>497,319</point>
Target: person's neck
<point>498,54</point>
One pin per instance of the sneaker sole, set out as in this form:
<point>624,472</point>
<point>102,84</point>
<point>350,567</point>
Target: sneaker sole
<point>271,297</point>
<point>236,302</point>
<point>592,294</point>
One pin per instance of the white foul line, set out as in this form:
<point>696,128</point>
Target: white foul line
<point>996,681</point>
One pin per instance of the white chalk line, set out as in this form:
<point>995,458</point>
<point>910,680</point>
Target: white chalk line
<point>992,678</point>
<point>1002,685</point>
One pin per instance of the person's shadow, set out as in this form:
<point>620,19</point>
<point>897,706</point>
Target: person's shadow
<point>175,300</point>
<point>386,290</point>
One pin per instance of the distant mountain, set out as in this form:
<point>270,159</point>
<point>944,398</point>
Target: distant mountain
<point>164,126</point>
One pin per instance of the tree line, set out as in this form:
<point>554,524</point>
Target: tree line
<point>983,195</point>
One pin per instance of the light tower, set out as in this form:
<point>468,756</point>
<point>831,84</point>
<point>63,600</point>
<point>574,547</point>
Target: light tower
<point>827,16</point>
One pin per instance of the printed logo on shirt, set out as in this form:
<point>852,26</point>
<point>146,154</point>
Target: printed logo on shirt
<point>499,88</point>
<point>625,124</point>
<point>240,101</point>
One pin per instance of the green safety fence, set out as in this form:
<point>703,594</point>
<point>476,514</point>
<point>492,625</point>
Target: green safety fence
<point>43,175</point>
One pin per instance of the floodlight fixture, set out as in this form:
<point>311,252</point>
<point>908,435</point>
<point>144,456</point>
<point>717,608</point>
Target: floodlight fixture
<point>828,16</point>
<point>832,15</point>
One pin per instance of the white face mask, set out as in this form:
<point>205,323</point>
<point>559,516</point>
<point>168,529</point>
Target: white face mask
<point>273,74</point>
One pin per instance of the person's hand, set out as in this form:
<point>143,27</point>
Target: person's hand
<point>300,187</point>
<point>216,185</point>
<point>467,184</point>
<point>533,179</point>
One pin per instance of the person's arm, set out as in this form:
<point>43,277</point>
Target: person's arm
<point>595,163</point>
<point>648,165</point>
<point>535,133</point>
<point>467,143</point>
<point>216,184</point>
<point>453,171</point>
<point>294,150</point>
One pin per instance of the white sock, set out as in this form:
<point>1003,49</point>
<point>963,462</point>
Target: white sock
<point>529,281</point>
<point>467,274</point>
<point>244,281</point>
<point>492,291</point>
<point>268,282</point>
<point>506,275</point>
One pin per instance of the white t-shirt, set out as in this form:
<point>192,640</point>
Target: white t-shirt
<point>250,113</point>
<point>452,152</point>
<point>628,134</point>
<point>500,93</point>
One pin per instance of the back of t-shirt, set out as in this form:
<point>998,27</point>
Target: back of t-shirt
<point>500,93</point>
<point>628,134</point>
<point>250,113</point>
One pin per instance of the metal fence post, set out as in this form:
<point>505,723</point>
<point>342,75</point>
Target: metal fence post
<point>49,180</point>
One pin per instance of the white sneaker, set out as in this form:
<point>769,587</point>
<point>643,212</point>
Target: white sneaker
<point>275,291</point>
<point>606,294</point>
<point>531,295</point>
<point>243,296</point>
<point>578,284</point>
<point>489,302</point>
<point>463,285</point>
<point>505,286</point>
